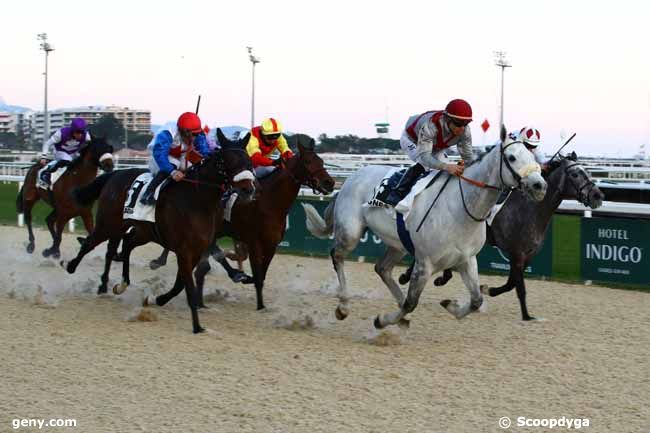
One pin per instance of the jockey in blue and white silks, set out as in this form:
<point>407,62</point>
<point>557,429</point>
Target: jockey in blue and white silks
<point>174,151</point>
<point>67,143</point>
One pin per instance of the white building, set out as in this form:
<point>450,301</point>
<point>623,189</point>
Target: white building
<point>8,122</point>
<point>134,120</point>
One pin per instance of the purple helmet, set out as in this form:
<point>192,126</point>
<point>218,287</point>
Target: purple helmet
<point>78,125</point>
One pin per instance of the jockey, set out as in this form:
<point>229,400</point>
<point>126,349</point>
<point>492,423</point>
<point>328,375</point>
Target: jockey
<point>425,138</point>
<point>67,143</point>
<point>531,137</point>
<point>174,151</point>
<point>265,139</point>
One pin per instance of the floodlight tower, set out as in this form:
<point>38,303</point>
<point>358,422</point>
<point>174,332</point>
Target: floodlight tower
<point>501,61</point>
<point>47,48</point>
<point>254,60</point>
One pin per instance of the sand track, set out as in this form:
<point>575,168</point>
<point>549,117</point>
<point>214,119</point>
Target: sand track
<point>294,368</point>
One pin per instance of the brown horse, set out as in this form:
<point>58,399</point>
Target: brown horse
<point>97,154</point>
<point>185,215</point>
<point>260,224</point>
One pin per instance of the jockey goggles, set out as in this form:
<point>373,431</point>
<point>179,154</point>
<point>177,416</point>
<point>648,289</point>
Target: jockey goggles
<point>272,137</point>
<point>458,123</point>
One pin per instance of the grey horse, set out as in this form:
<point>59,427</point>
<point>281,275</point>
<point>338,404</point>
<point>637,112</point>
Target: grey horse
<point>519,229</point>
<point>448,236</point>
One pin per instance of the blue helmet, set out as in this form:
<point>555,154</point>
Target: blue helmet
<point>78,125</point>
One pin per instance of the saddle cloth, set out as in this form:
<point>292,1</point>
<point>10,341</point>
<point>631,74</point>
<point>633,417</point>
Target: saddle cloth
<point>391,180</point>
<point>133,209</point>
<point>53,177</point>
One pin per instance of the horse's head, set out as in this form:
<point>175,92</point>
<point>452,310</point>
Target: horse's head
<point>238,165</point>
<point>100,153</point>
<point>309,166</point>
<point>576,185</point>
<point>518,168</point>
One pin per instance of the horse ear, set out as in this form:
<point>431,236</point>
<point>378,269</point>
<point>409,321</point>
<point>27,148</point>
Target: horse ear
<point>221,138</point>
<point>573,156</point>
<point>504,133</point>
<point>244,141</point>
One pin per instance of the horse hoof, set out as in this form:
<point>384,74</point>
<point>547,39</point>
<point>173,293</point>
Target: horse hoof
<point>149,300</point>
<point>340,314</point>
<point>101,290</point>
<point>46,252</point>
<point>56,255</point>
<point>118,289</point>
<point>199,330</point>
<point>378,324</point>
<point>440,281</point>
<point>445,303</point>
<point>404,323</point>
<point>30,248</point>
<point>529,318</point>
<point>404,278</point>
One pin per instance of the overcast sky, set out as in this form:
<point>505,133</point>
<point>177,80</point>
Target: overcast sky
<point>337,67</point>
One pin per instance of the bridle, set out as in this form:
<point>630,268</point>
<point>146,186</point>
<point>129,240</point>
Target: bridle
<point>310,178</point>
<point>515,175</point>
<point>581,194</point>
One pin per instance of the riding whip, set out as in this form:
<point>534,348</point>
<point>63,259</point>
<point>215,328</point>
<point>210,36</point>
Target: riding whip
<point>567,142</point>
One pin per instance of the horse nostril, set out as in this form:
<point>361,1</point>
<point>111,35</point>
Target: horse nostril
<point>537,186</point>
<point>597,196</point>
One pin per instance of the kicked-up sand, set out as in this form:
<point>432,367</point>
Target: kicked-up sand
<point>114,367</point>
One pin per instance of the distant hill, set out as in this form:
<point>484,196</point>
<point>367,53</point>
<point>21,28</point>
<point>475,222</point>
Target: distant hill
<point>12,108</point>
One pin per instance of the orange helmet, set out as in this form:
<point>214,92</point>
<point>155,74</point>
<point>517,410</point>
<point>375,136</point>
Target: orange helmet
<point>271,126</point>
<point>189,121</point>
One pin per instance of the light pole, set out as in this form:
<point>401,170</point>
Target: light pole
<point>254,60</point>
<point>45,46</point>
<point>501,61</point>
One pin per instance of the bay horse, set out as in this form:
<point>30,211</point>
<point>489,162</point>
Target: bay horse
<point>185,215</point>
<point>520,227</point>
<point>448,237</point>
<point>96,154</point>
<point>260,224</point>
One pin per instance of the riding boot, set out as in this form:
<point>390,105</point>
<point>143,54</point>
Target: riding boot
<point>46,175</point>
<point>404,186</point>
<point>148,198</point>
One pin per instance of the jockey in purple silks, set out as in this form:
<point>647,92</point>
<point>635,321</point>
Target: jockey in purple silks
<point>67,143</point>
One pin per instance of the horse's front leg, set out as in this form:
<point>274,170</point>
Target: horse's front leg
<point>469,273</point>
<point>422,272</point>
<point>51,226</point>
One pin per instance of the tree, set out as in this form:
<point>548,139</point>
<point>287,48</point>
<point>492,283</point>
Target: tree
<point>139,141</point>
<point>109,127</point>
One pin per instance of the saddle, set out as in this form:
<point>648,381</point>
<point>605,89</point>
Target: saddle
<point>387,184</point>
<point>54,176</point>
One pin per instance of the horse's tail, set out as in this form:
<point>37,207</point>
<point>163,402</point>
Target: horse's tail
<point>86,195</point>
<point>19,200</point>
<point>317,226</point>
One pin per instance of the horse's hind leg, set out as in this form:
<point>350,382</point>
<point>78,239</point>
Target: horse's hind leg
<point>508,286</point>
<point>469,274</point>
<point>131,240</point>
<point>111,249</point>
<point>384,268</point>
<point>166,297</point>
<point>160,261</point>
<point>87,218</point>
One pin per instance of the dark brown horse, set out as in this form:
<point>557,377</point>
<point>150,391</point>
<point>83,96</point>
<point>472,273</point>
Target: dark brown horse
<point>97,154</point>
<point>185,216</point>
<point>260,224</point>
<point>520,228</point>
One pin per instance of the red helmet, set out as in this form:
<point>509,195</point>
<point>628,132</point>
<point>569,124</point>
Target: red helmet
<point>530,136</point>
<point>459,109</point>
<point>189,121</point>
